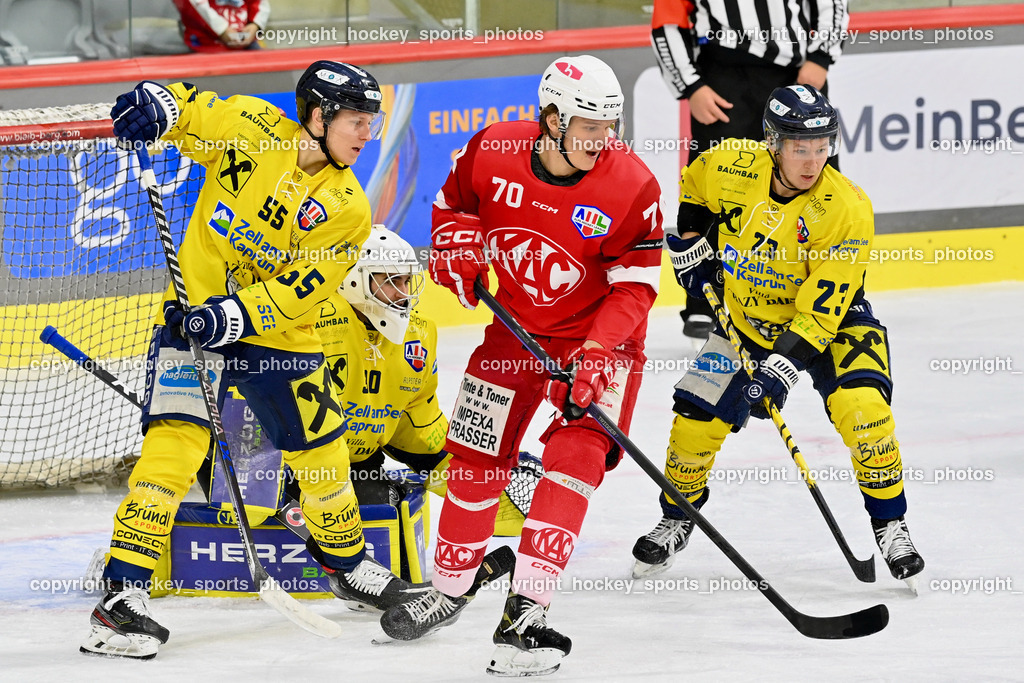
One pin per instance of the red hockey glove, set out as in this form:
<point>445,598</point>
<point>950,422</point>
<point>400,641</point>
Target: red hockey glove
<point>592,371</point>
<point>457,257</point>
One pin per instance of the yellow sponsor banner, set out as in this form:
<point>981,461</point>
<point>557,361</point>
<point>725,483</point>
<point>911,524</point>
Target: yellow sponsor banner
<point>115,327</point>
<point>107,327</point>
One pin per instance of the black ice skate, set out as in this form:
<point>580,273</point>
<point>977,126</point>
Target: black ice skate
<point>655,552</point>
<point>526,645</point>
<point>368,587</point>
<point>422,616</point>
<point>893,539</point>
<point>122,625</point>
<point>433,609</point>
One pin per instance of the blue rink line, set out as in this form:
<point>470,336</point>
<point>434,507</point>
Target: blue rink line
<point>47,572</point>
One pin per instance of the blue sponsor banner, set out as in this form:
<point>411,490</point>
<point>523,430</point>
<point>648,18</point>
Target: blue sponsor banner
<point>427,124</point>
<point>86,213</point>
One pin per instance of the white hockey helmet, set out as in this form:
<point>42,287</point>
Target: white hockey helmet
<point>581,86</point>
<point>386,256</point>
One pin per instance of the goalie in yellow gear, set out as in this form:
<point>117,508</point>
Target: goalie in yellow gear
<point>382,355</point>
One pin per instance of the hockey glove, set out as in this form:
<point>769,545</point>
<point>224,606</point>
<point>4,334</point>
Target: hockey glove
<point>694,262</point>
<point>457,257</point>
<point>773,380</point>
<point>221,320</point>
<point>144,114</point>
<point>592,371</point>
<point>174,316</point>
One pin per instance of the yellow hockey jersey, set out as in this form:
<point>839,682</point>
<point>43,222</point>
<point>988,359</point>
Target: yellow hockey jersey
<point>794,265</point>
<point>388,391</point>
<point>262,227</point>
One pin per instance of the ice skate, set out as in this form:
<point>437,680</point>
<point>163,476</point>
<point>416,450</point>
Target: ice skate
<point>122,625</point>
<point>371,587</point>
<point>433,609</point>
<point>422,616</point>
<point>526,645</point>
<point>655,552</point>
<point>893,539</point>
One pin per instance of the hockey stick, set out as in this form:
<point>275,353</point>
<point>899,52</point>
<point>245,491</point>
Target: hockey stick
<point>269,589</point>
<point>855,625</point>
<point>51,336</point>
<point>862,569</point>
<point>496,563</point>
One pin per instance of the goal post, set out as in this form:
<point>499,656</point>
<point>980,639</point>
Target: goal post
<point>78,251</point>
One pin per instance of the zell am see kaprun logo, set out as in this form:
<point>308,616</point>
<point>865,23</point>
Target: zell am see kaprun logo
<point>184,377</point>
<point>245,240</point>
<point>753,270</point>
<point>591,221</point>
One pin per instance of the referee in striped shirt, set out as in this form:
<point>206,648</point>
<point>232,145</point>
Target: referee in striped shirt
<point>727,56</point>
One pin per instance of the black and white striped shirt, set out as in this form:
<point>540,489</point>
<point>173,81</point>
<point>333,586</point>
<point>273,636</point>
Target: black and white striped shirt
<point>782,32</point>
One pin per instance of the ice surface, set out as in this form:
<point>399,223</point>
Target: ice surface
<point>964,426</point>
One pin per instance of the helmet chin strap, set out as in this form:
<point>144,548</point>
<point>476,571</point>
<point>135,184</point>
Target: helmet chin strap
<point>778,175</point>
<point>322,141</point>
<point>560,145</point>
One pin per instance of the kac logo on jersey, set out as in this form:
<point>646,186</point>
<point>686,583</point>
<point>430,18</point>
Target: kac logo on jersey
<point>801,230</point>
<point>591,221</point>
<point>416,355</point>
<point>311,213</point>
<point>538,264</point>
<point>222,219</point>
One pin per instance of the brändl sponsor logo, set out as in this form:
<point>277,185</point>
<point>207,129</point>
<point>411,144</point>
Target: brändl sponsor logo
<point>542,267</point>
<point>184,376</point>
<point>591,221</point>
<point>416,355</point>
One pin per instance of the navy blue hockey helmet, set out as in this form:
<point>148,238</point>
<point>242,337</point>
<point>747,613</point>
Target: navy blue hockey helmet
<point>333,86</point>
<point>800,111</point>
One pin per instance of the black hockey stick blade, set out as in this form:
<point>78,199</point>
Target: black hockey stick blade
<point>856,625</point>
<point>496,564</point>
<point>853,625</point>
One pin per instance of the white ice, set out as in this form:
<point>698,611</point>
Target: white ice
<point>961,438</point>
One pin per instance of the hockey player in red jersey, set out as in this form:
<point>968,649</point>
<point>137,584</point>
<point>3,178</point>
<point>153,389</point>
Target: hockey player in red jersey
<point>569,219</point>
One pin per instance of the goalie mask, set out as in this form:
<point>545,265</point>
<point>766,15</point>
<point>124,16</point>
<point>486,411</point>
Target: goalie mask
<point>800,112</point>
<point>386,283</point>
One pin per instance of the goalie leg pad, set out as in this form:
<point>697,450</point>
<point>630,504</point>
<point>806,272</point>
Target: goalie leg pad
<point>865,421</point>
<point>693,445</point>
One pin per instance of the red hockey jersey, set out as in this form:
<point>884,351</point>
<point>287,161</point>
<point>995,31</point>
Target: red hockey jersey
<point>581,261</point>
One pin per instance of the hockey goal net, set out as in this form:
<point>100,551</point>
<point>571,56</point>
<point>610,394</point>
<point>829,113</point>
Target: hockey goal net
<point>79,252</point>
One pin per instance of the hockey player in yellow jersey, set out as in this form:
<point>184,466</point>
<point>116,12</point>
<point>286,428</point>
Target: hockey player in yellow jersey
<point>786,239</point>
<point>382,355</point>
<point>278,224</point>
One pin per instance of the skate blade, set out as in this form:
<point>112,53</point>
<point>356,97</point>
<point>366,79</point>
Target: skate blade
<point>911,582</point>
<point>106,642</point>
<point>509,661</point>
<point>357,606</point>
<point>642,570</point>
